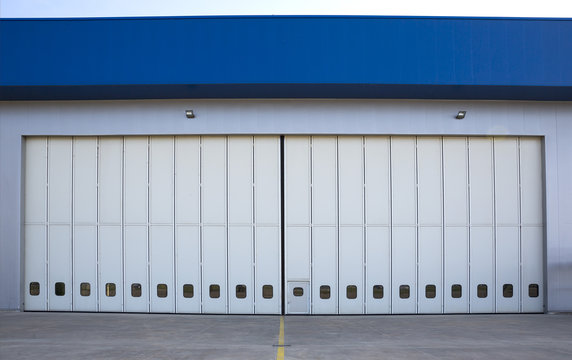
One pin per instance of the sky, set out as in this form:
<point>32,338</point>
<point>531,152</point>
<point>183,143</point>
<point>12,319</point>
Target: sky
<point>121,8</point>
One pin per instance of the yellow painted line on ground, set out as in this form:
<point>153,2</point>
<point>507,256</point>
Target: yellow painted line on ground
<point>280,351</point>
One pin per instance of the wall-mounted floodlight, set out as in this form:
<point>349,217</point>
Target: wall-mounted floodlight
<point>189,114</point>
<point>461,115</point>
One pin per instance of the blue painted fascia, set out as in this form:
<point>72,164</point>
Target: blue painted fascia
<point>286,56</point>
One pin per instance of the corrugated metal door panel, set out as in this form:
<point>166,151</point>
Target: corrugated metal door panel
<point>267,207</point>
<point>59,224</point>
<point>507,211</point>
<point>35,223</point>
<point>377,202</point>
<point>404,230</point>
<point>430,219</point>
<point>161,224</point>
<point>85,224</point>
<point>214,219</point>
<point>135,231</point>
<point>187,219</point>
<point>532,219</point>
<point>351,235</point>
<point>240,229</point>
<point>110,240</point>
<point>456,232</point>
<point>481,201</point>
<point>324,219</point>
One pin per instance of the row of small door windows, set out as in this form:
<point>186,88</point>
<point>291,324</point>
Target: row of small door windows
<point>268,291</point>
<point>430,291</point>
<point>188,290</point>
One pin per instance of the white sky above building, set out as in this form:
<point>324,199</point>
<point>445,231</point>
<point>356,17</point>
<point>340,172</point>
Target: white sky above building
<point>117,8</point>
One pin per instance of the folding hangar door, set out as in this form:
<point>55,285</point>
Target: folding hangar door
<point>408,224</point>
<point>153,224</point>
<point>372,224</point>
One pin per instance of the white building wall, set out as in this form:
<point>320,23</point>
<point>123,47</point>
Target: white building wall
<point>552,120</point>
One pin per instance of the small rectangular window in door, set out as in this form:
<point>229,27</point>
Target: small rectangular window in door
<point>84,289</point>
<point>482,291</point>
<point>241,291</point>
<point>378,291</point>
<point>162,290</point>
<point>430,291</point>
<point>351,292</point>
<point>324,292</point>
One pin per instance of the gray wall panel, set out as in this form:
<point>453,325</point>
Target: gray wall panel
<point>551,120</point>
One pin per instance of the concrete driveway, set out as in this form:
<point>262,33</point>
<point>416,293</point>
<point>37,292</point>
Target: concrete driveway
<point>155,336</point>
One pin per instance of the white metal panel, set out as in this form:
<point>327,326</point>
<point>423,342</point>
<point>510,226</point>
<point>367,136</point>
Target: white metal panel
<point>532,268</point>
<point>161,247</point>
<point>403,181</point>
<point>404,269</point>
<point>59,180</point>
<point>213,180</point>
<point>377,190</point>
<point>507,268</point>
<point>298,253</point>
<point>35,266</point>
<point>267,212</point>
<point>324,181</point>
<point>135,180</point>
<point>297,179</point>
<point>351,269</point>
<point>429,172</point>
<point>214,256</point>
<point>85,223</point>
<point>455,181</point>
<point>135,217</point>
<point>351,181</point>
<point>35,181</point>
<point>240,268</point>
<point>324,269</point>
<point>110,220</point>
<point>267,180</point>
<point>481,179</point>
<point>240,177</point>
<point>378,268</point>
<point>110,268</point>
<point>482,248</point>
<point>85,267</point>
<point>161,182</point>
<point>110,180</point>
<point>135,262</point>
<point>60,218</point>
<point>85,181</point>
<point>187,211</point>
<point>59,267</point>
<point>188,259</point>
<point>268,269</point>
<point>187,177</point>
<point>531,181</point>
<point>430,269</point>
<point>482,270</point>
<point>35,218</point>
<point>456,268</point>
<point>161,219</point>
<point>506,181</point>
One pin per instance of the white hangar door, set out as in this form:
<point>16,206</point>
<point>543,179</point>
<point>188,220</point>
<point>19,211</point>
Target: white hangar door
<point>405,224</point>
<point>153,224</point>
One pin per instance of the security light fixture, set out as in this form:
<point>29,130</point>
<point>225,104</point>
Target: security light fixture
<point>189,114</point>
<point>461,115</point>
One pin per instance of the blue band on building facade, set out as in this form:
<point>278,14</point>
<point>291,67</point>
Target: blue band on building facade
<point>286,57</point>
